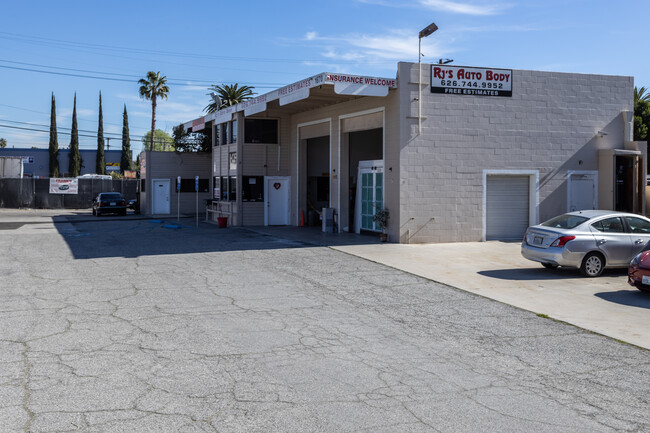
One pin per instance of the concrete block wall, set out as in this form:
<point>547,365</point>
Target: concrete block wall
<point>549,124</point>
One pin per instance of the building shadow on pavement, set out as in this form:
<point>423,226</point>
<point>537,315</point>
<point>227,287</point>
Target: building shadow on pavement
<point>90,237</point>
<point>631,298</point>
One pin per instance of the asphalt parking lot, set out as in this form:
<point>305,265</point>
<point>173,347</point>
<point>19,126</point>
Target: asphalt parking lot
<point>128,324</point>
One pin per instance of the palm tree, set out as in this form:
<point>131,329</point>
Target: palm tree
<point>153,87</point>
<point>640,94</point>
<point>229,95</point>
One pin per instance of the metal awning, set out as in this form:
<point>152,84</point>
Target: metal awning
<point>317,91</point>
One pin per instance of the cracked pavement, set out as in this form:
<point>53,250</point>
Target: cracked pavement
<point>111,325</point>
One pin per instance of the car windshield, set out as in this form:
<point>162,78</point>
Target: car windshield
<point>110,196</point>
<point>566,221</point>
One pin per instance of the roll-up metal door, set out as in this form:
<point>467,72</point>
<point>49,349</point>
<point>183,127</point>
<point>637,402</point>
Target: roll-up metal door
<point>508,205</point>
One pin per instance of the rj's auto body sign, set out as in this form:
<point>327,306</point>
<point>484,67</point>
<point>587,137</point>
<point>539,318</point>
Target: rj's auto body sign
<point>461,80</point>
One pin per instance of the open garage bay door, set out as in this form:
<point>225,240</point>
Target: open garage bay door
<point>508,204</point>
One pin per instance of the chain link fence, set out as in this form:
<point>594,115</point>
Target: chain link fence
<point>35,193</point>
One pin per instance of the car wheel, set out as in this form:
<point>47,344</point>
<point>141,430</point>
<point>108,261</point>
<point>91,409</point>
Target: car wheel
<point>123,213</point>
<point>549,265</point>
<point>592,265</point>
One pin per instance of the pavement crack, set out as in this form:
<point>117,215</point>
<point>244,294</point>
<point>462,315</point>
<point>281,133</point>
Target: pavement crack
<point>27,373</point>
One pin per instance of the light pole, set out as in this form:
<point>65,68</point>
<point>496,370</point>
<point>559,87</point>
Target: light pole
<point>423,34</point>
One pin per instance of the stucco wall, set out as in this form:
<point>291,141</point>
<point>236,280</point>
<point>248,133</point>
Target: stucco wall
<point>254,159</point>
<point>549,124</point>
<point>170,165</point>
<point>339,170</point>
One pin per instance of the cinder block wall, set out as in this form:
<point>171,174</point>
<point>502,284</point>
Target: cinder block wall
<point>549,124</point>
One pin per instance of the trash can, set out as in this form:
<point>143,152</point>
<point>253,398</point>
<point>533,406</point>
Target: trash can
<point>222,222</point>
<point>328,220</point>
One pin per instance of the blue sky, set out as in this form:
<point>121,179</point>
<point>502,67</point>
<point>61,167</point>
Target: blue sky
<point>108,46</point>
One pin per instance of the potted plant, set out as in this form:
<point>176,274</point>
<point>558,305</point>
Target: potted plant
<point>380,218</point>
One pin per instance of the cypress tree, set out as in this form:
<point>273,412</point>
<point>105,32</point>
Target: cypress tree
<point>74,169</point>
<point>100,167</point>
<point>54,143</point>
<point>125,161</point>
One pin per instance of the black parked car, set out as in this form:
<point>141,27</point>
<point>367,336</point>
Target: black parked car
<point>134,204</point>
<point>109,202</point>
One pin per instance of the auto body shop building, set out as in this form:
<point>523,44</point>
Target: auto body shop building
<point>469,154</point>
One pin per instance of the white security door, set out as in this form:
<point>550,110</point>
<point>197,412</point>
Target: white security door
<point>160,197</point>
<point>370,194</point>
<point>582,191</point>
<point>277,193</point>
<point>507,207</point>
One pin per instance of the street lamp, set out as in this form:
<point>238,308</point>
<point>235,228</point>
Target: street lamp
<point>423,34</point>
<point>216,99</point>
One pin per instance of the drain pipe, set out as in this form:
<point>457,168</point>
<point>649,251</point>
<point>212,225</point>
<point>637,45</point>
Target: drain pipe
<point>628,126</point>
<point>420,87</point>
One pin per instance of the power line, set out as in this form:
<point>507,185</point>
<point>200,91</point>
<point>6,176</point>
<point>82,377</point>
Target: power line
<point>124,80</point>
<point>68,69</point>
<point>58,127</point>
<point>66,117</point>
<point>83,45</point>
<point>64,73</point>
<point>135,77</point>
<point>139,139</point>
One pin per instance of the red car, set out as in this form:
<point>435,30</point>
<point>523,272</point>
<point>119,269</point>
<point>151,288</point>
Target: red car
<point>638,273</point>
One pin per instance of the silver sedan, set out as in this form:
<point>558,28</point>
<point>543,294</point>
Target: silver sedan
<point>590,240</point>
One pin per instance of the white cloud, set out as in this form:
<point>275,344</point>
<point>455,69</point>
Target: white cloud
<point>113,130</point>
<point>378,51</point>
<point>170,111</point>
<point>191,87</point>
<point>25,139</point>
<point>462,7</point>
<point>128,97</point>
<point>497,28</point>
<point>86,113</point>
<point>465,8</point>
<point>66,113</point>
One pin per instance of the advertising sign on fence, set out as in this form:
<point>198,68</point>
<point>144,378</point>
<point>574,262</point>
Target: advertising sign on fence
<point>64,186</point>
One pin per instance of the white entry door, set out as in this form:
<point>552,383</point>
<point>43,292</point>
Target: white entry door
<point>370,194</point>
<point>582,190</point>
<point>277,193</point>
<point>160,197</point>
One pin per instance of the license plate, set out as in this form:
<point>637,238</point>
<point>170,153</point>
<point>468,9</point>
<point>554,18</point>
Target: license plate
<point>645,279</point>
<point>538,240</point>
<point>113,203</point>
